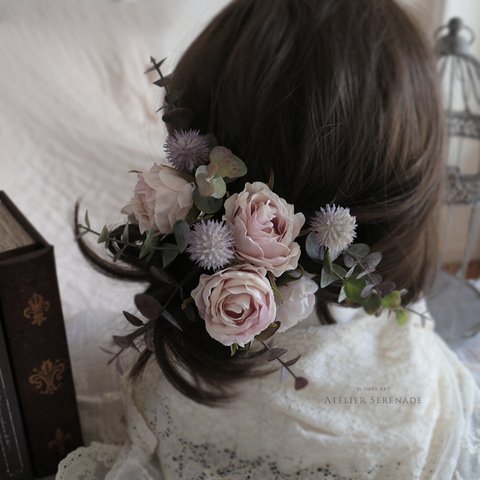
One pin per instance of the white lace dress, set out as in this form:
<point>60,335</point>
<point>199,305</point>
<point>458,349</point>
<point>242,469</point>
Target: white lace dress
<point>383,402</point>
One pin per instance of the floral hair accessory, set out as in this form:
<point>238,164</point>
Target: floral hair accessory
<point>244,248</point>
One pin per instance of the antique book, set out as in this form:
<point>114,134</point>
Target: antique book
<point>32,321</point>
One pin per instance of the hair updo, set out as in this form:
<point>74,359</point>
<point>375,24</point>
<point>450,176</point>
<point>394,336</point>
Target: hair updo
<point>339,99</point>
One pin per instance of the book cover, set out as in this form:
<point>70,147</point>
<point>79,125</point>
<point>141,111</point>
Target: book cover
<point>32,319</point>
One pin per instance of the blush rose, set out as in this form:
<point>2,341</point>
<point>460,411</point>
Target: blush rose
<point>298,301</point>
<point>236,303</point>
<point>264,228</point>
<point>161,197</point>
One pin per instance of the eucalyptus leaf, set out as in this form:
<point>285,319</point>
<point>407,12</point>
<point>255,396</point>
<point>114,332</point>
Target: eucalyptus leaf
<point>148,339</point>
<point>367,290</point>
<point>375,278</point>
<point>268,332</point>
<point>386,287</point>
<point>327,278</point>
<point>104,235</point>
<point>168,256</point>
<point>339,271</point>
<point>149,244</point>
<point>372,260</point>
<point>358,250</point>
<point>353,289</point>
<point>233,349</point>
<point>206,204</point>
<point>181,231</point>
<point>283,374</point>
<point>227,164</point>
<point>349,261</point>
<point>125,234</point>
<point>314,250</point>
<point>87,220</point>
<point>342,295</point>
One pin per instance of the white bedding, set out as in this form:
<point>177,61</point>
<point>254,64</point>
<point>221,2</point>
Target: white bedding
<point>76,114</point>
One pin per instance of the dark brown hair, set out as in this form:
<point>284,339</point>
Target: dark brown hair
<point>339,99</point>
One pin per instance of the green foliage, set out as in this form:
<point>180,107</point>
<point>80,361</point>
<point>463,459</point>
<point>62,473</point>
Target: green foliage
<point>206,204</point>
<point>104,235</point>
<point>353,289</point>
<point>315,251</point>
<point>268,332</point>
<point>181,231</point>
<point>402,316</point>
<point>392,300</point>
<point>373,303</point>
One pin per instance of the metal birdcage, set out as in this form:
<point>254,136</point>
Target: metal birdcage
<point>455,303</point>
<point>460,72</point>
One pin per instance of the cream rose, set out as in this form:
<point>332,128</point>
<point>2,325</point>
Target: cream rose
<point>161,197</point>
<point>236,303</point>
<point>298,301</point>
<point>264,227</point>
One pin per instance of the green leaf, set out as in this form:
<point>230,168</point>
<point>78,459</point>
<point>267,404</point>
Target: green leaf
<point>233,349</point>
<point>314,250</point>
<point>149,244</point>
<point>327,278</point>
<point>125,235</point>
<point>402,316</point>
<point>392,300</point>
<point>104,235</point>
<point>353,289</point>
<point>342,295</point>
<point>181,231</point>
<point>225,164</point>
<point>206,204</point>
<point>373,303</point>
<point>268,332</point>
<point>339,271</point>
<point>87,220</point>
<point>168,256</point>
<point>327,261</point>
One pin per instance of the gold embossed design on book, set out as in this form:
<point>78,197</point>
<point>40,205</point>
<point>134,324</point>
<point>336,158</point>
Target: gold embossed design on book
<point>37,309</point>
<point>59,442</point>
<point>48,378</point>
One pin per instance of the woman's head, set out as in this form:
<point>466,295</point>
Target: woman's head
<point>338,100</point>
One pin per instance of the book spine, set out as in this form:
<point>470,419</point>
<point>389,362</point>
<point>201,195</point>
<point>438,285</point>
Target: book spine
<point>35,335</point>
<point>14,455</point>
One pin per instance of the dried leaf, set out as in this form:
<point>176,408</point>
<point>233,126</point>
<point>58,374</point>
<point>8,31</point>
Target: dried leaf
<point>275,353</point>
<point>292,361</point>
<point>300,382</point>
<point>135,321</point>
<point>168,316</point>
<point>148,306</point>
<point>163,276</point>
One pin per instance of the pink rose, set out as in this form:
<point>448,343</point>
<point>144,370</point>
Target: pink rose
<point>298,301</point>
<point>264,227</point>
<point>161,197</point>
<point>236,303</point>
